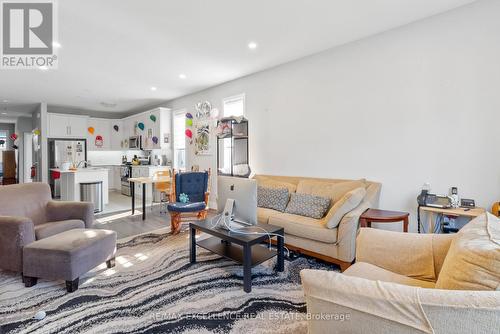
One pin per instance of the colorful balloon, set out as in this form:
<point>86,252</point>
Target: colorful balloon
<point>189,133</point>
<point>140,126</point>
<point>153,118</point>
<point>188,115</point>
<point>116,128</point>
<point>155,140</point>
<point>36,132</point>
<point>91,130</point>
<point>2,141</point>
<point>189,122</point>
<point>13,136</point>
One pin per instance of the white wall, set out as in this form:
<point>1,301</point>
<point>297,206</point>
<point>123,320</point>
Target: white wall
<point>413,105</point>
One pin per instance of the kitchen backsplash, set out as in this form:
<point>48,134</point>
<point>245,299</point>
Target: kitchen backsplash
<point>105,157</point>
<point>115,157</point>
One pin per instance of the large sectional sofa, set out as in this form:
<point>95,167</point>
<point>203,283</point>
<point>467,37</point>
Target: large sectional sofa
<point>311,236</point>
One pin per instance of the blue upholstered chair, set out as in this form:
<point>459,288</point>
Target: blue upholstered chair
<point>195,186</point>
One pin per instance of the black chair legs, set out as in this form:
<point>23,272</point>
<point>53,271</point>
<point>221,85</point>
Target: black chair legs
<point>72,286</point>
<point>29,281</point>
<point>110,263</point>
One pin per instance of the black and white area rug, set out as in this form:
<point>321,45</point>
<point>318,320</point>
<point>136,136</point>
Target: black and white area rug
<point>154,289</point>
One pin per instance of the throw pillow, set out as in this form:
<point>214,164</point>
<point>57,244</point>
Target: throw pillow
<point>308,205</point>
<point>272,198</point>
<point>347,203</point>
<point>473,260</point>
<point>333,190</point>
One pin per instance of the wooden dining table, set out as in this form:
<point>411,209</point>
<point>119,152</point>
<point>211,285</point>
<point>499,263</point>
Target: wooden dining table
<point>145,181</point>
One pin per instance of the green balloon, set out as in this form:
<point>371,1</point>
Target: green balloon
<point>153,118</point>
<point>189,121</point>
<point>140,126</point>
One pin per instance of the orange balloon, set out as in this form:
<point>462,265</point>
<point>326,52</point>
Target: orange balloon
<point>91,130</point>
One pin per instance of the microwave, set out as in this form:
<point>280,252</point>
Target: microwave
<point>135,142</point>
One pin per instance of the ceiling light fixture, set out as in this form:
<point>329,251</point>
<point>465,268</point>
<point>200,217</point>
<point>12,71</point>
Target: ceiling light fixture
<point>252,45</point>
<point>4,113</point>
<point>154,88</point>
<point>56,45</point>
<point>108,104</point>
<point>182,76</point>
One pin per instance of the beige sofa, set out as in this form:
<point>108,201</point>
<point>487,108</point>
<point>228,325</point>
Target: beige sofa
<point>311,236</point>
<point>412,283</point>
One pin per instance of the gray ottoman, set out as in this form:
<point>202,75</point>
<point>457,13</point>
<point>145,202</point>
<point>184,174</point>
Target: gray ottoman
<point>68,255</point>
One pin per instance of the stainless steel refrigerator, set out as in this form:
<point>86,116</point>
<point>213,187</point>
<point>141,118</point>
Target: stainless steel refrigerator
<point>64,150</point>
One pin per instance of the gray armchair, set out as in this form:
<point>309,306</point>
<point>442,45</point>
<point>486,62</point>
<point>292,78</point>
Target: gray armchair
<point>27,213</point>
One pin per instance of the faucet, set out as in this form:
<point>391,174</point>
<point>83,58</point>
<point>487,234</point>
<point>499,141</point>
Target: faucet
<point>87,163</point>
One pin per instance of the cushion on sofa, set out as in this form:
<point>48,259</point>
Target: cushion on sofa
<point>51,228</point>
<point>374,273</point>
<point>263,215</point>
<point>347,203</point>
<point>263,181</point>
<point>473,260</point>
<point>304,227</point>
<point>272,198</point>
<point>334,191</point>
<point>308,205</point>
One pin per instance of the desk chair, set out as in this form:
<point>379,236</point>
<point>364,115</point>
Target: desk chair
<point>196,186</point>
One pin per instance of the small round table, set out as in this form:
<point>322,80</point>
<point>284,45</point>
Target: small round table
<point>383,216</point>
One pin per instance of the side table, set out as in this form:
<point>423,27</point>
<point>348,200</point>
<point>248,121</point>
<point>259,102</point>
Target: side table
<point>383,216</point>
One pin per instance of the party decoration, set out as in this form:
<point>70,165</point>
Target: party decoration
<point>140,126</point>
<point>153,118</point>
<point>189,133</point>
<point>116,128</point>
<point>184,198</point>
<point>99,142</point>
<point>91,130</point>
<point>155,140</point>
<point>203,109</point>
<point>36,132</point>
<point>188,115</point>
<point>13,136</point>
<point>15,147</point>
<point>189,122</point>
<point>2,142</point>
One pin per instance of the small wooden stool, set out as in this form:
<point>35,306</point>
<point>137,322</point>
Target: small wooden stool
<point>383,216</point>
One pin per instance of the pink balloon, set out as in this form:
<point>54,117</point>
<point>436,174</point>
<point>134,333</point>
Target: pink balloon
<point>189,133</point>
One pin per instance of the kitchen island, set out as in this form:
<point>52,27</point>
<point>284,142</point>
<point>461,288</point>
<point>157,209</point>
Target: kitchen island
<point>70,182</point>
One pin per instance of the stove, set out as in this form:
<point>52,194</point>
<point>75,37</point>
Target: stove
<point>125,174</point>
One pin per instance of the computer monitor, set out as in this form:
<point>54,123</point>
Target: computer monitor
<point>243,192</point>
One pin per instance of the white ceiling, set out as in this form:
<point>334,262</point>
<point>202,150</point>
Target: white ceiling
<point>113,51</point>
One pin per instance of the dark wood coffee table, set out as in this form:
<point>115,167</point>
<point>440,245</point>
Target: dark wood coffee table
<point>245,249</point>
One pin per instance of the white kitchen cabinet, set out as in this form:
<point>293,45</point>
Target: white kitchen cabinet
<point>102,130</point>
<point>116,136</point>
<point>117,177</point>
<point>66,126</point>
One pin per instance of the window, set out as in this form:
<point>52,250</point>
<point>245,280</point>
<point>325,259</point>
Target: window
<point>234,105</point>
<point>180,140</point>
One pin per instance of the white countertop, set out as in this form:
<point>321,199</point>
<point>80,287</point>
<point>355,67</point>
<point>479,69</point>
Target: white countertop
<point>80,170</point>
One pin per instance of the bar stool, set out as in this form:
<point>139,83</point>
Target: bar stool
<point>164,189</point>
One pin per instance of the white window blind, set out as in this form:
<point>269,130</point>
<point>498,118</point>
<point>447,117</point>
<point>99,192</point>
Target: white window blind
<point>180,140</point>
<point>234,106</point>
